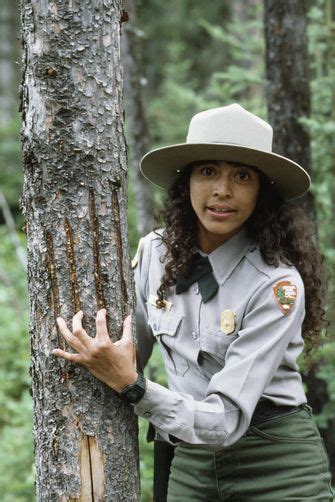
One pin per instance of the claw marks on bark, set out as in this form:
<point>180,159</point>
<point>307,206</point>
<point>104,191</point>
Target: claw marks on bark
<point>72,265</point>
<point>54,285</point>
<point>92,478</point>
<point>97,275</point>
<point>118,246</point>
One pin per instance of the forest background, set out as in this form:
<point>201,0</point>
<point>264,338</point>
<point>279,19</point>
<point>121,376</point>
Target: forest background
<point>192,55</point>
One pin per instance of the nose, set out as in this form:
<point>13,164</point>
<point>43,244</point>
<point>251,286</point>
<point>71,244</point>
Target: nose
<point>222,186</point>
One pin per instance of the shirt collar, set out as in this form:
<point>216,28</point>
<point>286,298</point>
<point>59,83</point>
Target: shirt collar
<point>226,257</point>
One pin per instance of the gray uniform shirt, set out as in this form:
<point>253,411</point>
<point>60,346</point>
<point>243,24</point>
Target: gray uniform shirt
<point>216,379</point>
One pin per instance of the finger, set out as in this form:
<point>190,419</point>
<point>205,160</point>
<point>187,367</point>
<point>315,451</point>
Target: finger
<point>71,340</point>
<point>77,322</point>
<point>74,358</point>
<point>127,334</point>
<point>101,324</point>
<point>63,327</point>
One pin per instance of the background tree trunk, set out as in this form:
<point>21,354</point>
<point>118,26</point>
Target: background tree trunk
<point>288,90</point>
<point>138,133</point>
<point>74,201</point>
<point>289,99</point>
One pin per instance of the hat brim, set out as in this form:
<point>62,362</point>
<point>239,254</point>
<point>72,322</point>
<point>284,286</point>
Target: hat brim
<point>162,165</point>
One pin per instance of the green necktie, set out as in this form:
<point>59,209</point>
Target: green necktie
<point>202,273</point>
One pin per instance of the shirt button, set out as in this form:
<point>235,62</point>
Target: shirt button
<point>147,414</point>
<point>194,335</point>
<point>197,291</point>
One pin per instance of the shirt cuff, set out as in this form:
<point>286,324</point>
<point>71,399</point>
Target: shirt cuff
<point>155,402</point>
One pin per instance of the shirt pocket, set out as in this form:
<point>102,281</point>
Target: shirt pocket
<point>213,348</point>
<point>165,326</point>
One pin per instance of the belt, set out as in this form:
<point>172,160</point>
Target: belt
<point>267,410</point>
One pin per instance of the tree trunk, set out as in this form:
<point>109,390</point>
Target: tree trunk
<point>74,201</point>
<point>288,100</point>
<point>138,133</point>
<point>288,89</point>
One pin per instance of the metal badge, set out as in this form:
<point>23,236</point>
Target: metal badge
<point>227,322</point>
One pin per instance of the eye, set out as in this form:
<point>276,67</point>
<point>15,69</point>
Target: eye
<point>243,176</point>
<point>207,171</point>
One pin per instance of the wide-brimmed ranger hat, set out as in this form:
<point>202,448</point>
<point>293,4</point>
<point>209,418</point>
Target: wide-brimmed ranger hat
<point>229,133</point>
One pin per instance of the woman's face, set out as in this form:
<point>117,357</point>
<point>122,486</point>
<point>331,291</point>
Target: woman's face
<point>223,196</point>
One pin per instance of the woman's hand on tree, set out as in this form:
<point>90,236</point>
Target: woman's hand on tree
<point>112,363</point>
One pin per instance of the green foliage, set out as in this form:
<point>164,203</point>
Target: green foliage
<point>16,442</point>
<point>321,124</point>
<point>203,65</point>
<point>16,454</point>
<point>10,162</point>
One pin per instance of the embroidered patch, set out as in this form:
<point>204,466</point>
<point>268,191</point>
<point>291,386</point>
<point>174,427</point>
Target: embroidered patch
<point>152,300</point>
<point>285,294</point>
<point>227,322</point>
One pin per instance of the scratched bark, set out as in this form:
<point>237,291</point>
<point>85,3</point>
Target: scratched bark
<point>74,201</point>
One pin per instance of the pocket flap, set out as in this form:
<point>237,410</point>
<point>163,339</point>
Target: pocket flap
<point>162,322</point>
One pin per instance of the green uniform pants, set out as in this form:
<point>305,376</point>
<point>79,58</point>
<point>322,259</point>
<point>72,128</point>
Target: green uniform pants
<point>281,459</point>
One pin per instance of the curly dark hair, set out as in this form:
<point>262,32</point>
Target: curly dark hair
<point>282,230</point>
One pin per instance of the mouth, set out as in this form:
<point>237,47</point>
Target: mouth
<point>220,210</point>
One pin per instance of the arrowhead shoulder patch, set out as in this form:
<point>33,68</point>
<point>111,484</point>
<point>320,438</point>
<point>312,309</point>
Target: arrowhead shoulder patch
<point>285,295</point>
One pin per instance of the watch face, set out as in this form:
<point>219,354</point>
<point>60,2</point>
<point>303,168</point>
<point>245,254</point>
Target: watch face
<point>134,392</point>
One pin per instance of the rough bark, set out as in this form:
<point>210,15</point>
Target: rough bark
<point>289,100</point>
<point>138,134</point>
<point>74,201</point>
<point>288,89</point>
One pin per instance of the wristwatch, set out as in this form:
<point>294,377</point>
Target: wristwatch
<point>135,391</point>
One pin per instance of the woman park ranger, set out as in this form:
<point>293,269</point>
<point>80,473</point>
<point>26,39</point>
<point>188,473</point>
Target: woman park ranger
<point>231,289</point>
